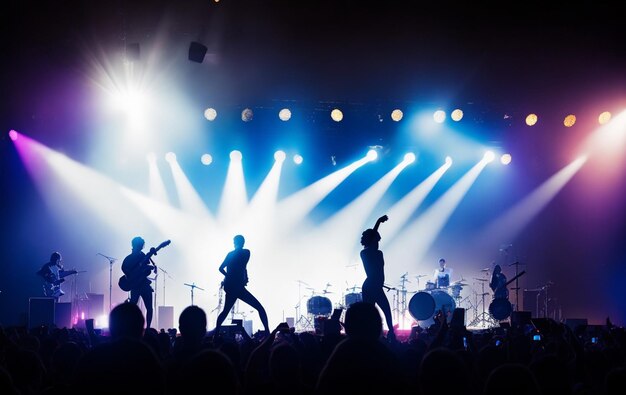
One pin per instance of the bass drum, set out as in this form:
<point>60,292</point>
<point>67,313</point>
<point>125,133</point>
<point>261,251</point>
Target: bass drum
<point>422,306</point>
<point>444,302</point>
<point>319,305</point>
<point>500,309</point>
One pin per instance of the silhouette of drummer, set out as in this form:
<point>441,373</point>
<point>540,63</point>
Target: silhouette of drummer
<point>235,280</point>
<point>373,263</point>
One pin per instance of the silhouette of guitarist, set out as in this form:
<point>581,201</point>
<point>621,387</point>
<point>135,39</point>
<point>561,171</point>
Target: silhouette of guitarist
<point>134,266</point>
<point>235,280</point>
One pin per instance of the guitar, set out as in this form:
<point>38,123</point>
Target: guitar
<point>509,282</point>
<point>132,278</point>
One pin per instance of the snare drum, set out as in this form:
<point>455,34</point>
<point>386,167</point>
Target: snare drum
<point>429,286</point>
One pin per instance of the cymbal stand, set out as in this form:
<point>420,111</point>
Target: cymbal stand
<point>484,319</point>
<point>403,291</point>
<point>193,286</point>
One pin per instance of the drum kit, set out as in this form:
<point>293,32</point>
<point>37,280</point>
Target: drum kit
<point>426,303</point>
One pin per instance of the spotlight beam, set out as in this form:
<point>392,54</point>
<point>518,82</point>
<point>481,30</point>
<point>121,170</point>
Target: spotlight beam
<point>234,196</point>
<point>404,208</point>
<point>296,206</point>
<point>509,225</point>
<point>349,221</point>
<point>156,185</point>
<point>189,199</point>
<point>420,235</point>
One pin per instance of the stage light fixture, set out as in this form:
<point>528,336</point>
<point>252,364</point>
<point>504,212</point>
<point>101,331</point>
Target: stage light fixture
<point>235,155</point>
<point>457,115</point>
<point>396,115</point>
<point>13,135</point>
<point>170,157</point>
<point>372,154</point>
<point>210,114</point>
<point>409,157</point>
<point>505,159</point>
<point>531,119</point>
<point>206,159</point>
<point>247,115</point>
<point>279,156</point>
<point>297,159</point>
<point>439,116</point>
<point>569,120</point>
<point>336,115</point>
<point>489,156</point>
<point>448,160</point>
<point>197,52</point>
<point>604,118</point>
<point>284,114</point>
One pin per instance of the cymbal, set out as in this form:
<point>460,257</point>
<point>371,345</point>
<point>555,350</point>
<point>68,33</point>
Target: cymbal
<point>480,279</point>
<point>461,284</point>
<point>485,269</point>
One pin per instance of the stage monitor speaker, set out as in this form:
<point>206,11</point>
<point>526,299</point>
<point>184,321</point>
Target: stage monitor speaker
<point>63,315</point>
<point>520,319</point>
<point>166,317</point>
<point>95,306</point>
<point>40,311</point>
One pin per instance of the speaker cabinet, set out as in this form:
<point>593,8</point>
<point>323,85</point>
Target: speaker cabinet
<point>40,312</point>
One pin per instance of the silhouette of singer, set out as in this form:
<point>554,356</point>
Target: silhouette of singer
<point>235,280</point>
<point>373,263</point>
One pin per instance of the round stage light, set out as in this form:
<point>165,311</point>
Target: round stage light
<point>336,115</point>
<point>298,159</point>
<point>439,116</point>
<point>569,120</point>
<point>235,155</point>
<point>448,160</point>
<point>396,115</point>
<point>372,154</point>
<point>604,118</point>
<point>170,157</point>
<point>457,115</point>
<point>279,156</point>
<point>210,114</point>
<point>13,135</point>
<point>531,119</point>
<point>247,115</point>
<point>505,159</point>
<point>206,159</point>
<point>284,114</point>
<point>489,156</point>
<point>409,157</point>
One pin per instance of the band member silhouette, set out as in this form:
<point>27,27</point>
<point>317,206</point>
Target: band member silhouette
<point>132,266</point>
<point>50,273</point>
<point>373,263</point>
<point>235,280</point>
<point>498,283</point>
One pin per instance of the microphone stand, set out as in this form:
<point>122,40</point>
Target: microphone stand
<point>168,275</point>
<point>111,260</point>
